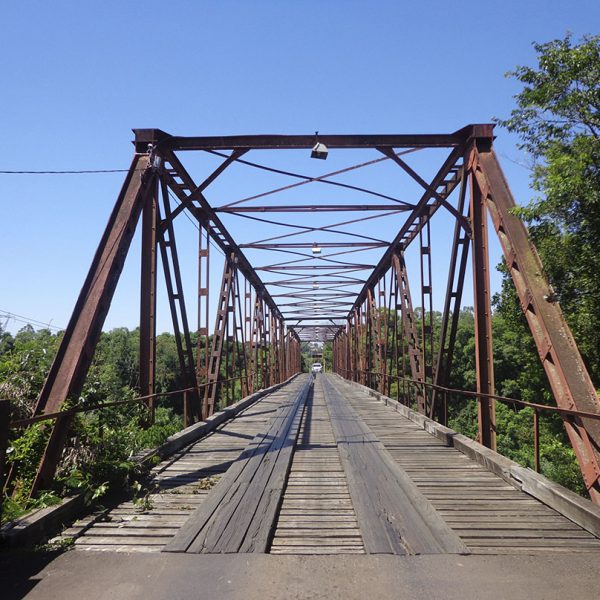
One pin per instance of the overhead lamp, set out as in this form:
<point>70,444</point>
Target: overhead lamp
<point>316,248</point>
<point>319,149</point>
<point>315,285</point>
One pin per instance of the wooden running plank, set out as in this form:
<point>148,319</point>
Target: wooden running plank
<point>490,516</point>
<point>240,511</point>
<point>394,517</point>
<point>323,520</point>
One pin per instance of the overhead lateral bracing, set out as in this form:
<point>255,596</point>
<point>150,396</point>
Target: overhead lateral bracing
<point>350,279</point>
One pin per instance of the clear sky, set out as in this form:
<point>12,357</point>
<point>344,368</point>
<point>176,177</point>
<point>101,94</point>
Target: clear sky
<point>78,75</point>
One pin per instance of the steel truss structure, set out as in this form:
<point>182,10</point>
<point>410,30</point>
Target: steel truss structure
<point>317,291</point>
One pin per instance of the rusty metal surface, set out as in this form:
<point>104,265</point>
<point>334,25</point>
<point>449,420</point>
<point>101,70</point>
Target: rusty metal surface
<point>69,369</point>
<point>290,142</point>
<point>484,353</point>
<point>175,294</point>
<point>566,371</point>
<point>148,299</point>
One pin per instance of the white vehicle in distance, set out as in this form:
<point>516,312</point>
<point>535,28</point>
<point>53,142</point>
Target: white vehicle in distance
<point>317,367</point>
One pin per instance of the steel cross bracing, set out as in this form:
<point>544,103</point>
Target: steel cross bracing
<point>292,272</point>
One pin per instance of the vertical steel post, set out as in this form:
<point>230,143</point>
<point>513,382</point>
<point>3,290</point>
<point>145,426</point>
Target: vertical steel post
<point>409,329</point>
<point>426,308</point>
<point>452,304</point>
<point>483,318</point>
<point>174,285</point>
<point>148,301</point>
<point>219,338</point>
<point>202,343</point>
<point>397,341</point>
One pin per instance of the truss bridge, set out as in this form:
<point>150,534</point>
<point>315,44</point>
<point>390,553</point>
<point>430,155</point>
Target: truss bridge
<point>313,477</point>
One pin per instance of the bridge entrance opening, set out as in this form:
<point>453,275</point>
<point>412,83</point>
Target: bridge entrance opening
<point>323,258</point>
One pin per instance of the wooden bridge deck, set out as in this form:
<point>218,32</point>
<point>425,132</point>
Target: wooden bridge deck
<point>361,479</point>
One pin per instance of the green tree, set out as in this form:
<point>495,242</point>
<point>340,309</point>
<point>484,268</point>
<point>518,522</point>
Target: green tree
<point>557,118</point>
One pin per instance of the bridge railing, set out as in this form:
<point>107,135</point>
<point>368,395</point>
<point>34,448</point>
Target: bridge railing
<point>186,394</point>
<point>410,390</point>
<point>148,400</point>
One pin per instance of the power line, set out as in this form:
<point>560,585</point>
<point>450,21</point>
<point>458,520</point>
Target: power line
<point>28,320</point>
<point>81,172</point>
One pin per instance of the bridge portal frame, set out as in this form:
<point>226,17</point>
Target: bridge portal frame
<point>367,340</point>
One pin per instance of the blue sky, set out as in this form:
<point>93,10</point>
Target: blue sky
<point>77,76</point>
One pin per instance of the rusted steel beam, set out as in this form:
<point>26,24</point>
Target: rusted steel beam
<point>206,216</point>
<point>484,356</point>
<point>177,305</point>
<point>75,352</point>
<point>314,208</point>
<point>310,304</point>
<point>336,267</point>
<point>240,336</point>
<point>202,343</point>
<point>451,313</point>
<point>312,325</point>
<point>321,245</point>
<point>427,309</point>
<point>309,281</point>
<point>566,371</point>
<point>248,305</point>
<point>256,342</point>
<point>197,192</point>
<point>408,229</point>
<point>370,327</point>
<point>409,328</point>
<point>291,142</point>
<point>72,361</point>
<point>147,370</point>
<point>354,356</point>
<point>219,335</point>
<point>441,197</point>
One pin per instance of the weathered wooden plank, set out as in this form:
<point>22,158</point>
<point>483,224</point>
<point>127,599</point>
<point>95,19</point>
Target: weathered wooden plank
<point>316,477</point>
<point>260,527</point>
<point>525,551</point>
<point>394,517</point>
<point>316,550</point>
<point>130,532</point>
<point>180,478</point>
<point>120,540</point>
<point>84,547</point>
<point>535,543</point>
<point>465,494</point>
<point>220,517</point>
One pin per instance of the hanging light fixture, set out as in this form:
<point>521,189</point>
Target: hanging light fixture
<point>316,248</point>
<point>316,285</point>
<point>319,150</point>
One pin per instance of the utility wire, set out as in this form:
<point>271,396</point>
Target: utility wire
<point>82,172</point>
<point>28,320</point>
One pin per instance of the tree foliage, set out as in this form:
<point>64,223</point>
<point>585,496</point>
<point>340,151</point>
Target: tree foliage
<point>557,118</point>
<point>100,445</point>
